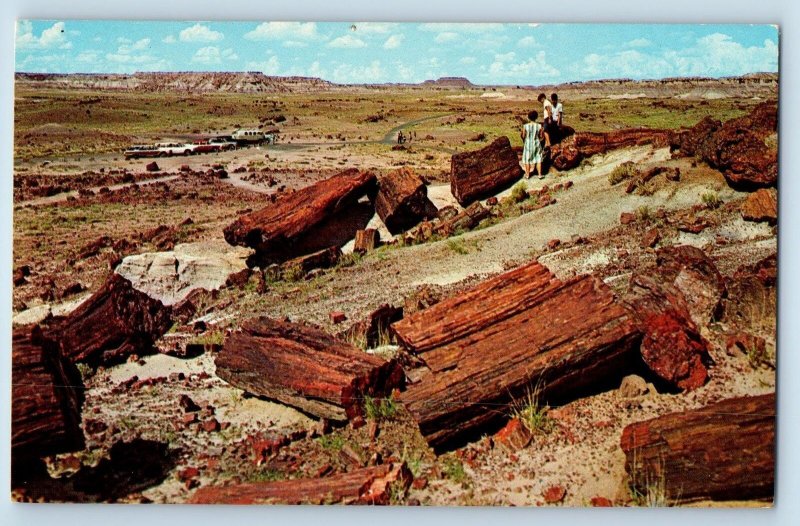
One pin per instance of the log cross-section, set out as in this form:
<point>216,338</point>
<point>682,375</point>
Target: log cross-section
<point>724,451</point>
<point>303,366</point>
<point>491,344</point>
<point>47,393</point>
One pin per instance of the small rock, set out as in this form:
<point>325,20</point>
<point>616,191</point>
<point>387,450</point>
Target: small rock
<point>626,218</point>
<point>211,425</point>
<point>188,405</point>
<point>420,483</point>
<point>554,494</point>
<point>553,244</point>
<point>337,317</point>
<point>601,502</point>
<point>651,238</point>
<point>633,386</point>
<point>152,167</point>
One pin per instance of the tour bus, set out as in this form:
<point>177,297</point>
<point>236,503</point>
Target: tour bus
<point>251,136</point>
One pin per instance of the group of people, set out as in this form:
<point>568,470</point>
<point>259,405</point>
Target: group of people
<point>536,138</point>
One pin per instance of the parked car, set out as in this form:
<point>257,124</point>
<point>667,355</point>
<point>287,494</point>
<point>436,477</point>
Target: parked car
<point>141,150</point>
<point>204,146</point>
<point>174,148</point>
<point>223,143</point>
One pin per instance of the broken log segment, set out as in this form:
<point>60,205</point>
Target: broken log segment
<point>724,451</point>
<point>47,394</point>
<point>276,227</point>
<point>372,485</point>
<point>402,200</point>
<point>366,240</point>
<point>561,337</point>
<point>300,266</point>
<point>482,173</point>
<point>114,323</point>
<point>305,367</point>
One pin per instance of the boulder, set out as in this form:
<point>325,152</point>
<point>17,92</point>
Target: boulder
<point>478,174</point>
<point>402,200</point>
<point>171,276</point>
<point>761,205</point>
<point>152,167</point>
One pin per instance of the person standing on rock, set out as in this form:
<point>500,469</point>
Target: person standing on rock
<point>558,111</point>
<point>547,113</point>
<point>532,145</point>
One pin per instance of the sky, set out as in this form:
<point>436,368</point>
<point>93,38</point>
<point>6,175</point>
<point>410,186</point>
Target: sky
<point>374,52</point>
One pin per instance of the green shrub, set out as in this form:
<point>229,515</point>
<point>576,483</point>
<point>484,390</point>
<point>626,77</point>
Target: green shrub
<point>711,200</point>
<point>624,171</point>
<point>380,408</point>
<point>519,193</point>
<point>643,213</point>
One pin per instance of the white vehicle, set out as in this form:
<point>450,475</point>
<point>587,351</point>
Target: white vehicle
<point>248,136</point>
<point>166,149</point>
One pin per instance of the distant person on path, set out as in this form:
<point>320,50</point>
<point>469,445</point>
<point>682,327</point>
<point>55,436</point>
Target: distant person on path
<point>547,113</point>
<point>532,145</point>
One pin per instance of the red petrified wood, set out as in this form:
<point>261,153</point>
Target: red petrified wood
<point>275,228</point>
<point>481,173</point>
<point>47,393</point>
<point>490,344</point>
<point>402,200</point>
<point>303,366</point>
<point>372,485</point>
<point>115,322</point>
<point>724,451</point>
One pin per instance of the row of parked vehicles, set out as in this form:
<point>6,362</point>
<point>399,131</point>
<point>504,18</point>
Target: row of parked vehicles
<point>215,144</point>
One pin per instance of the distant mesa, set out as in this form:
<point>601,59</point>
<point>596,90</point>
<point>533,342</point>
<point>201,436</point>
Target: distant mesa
<point>450,82</point>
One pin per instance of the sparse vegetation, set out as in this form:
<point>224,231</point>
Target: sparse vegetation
<point>458,246</point>
<point>643,214</point>
<point>453,469</point>
<point>519,192</point>
<point>532,413</point>
<point>624,171</point>
<point>380,408</point>
<point>332,442</point>
<point>711,200</point>
<point>648,489</point>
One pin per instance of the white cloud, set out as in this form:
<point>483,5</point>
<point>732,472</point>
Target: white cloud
<point>123,40</point>
<point>52,37</point>
<point>269,67</point>
<point>348,42</point>
<point>89,56</point>
<point>350,74</point>
<point>638,42</point>
<point>712,55</point>
<point>531,70</point>
<point>283,31</point>
<point>446,36</point>
<point>212,55</point>
<point>528,41</point>
<point>129,47</point>
<point>294,43</point>
<point>200,33</point>
<point>169,39</point>
<point>467,60</point>
<point>393,42</point>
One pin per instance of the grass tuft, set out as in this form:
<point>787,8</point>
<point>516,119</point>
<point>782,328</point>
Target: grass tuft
<point>626,170</point>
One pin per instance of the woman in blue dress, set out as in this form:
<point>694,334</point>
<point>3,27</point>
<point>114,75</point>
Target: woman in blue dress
<point>532,145</point>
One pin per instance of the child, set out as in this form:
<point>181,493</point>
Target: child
<point>532,145</point>
<point>547,109</point>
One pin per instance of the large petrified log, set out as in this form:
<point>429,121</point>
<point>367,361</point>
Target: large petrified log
<point>47,394</point>
<point>573,150</point>
<point>482,173</point>
<point>724,451</point>
<point>303,366</point>
<point>402,200</point>
<point>274,229</point>
<point>487,346</point>
<point>372,485</point>
<point>740,148</point>
<point>115,322</point>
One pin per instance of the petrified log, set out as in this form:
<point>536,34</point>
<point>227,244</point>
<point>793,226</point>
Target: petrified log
<point>573,150</point>
<point>761,205</point>
<point>47,394</point>
<point>372,485</point>
<point>275,228</point>
<point>402,200</point>
<point>366,240</point>
<point>487,346</point>
<point>739,148</point>
<point>696,276</point>
<point>300,266</point>
<point>481,173</point>
<point>303,366</point>
<point>115,322</point>
<point>724,451</point>
<point>465,220</point>
<point>672,346</point>
<point>375,328</point>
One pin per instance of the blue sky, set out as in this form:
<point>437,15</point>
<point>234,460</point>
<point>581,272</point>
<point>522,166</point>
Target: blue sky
<point>399,52</point>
